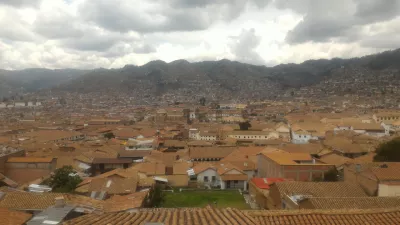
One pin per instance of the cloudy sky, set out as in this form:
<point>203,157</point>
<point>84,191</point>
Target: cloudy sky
<point>112,33</point>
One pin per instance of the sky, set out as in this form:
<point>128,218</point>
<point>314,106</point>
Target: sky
<point>90,34</point>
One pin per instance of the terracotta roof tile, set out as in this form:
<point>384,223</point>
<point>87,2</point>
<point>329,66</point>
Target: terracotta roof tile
<point>210,152</point>
<point>119,203</point>
<point>352,202</point>
<point>28,200</point>
<point>30,160</point>
<point>11,217</point>
<point>320,189</point>
<point>186,216</point>
<point>327,217</point>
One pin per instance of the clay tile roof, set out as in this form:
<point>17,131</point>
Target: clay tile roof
<point>327,217</point>
<point>151,168</point>
<point>30,160</point>
<point>387,171</point>
<point>210,152</point>
<point>352,203</point>
<point>334,159</point>
<point>186,216</point>
<point>11,217</point>
<point>320,189</point>
<point>119,203</point>
<point>28,200</point>
<point>289,158</point>
<point>114,186</point>
<point>264,183</point>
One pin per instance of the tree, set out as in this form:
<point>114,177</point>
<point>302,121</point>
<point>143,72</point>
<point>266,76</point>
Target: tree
<point>388,151</point>
<point>244,125</point>
<point>64,179</point>
<point>155,198</point>
<point>292,93</point>
<point>202,101</point>
<point>109,135</point>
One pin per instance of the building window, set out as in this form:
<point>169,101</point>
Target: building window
<point>205,178</point>
<point>235,182</point>
<point>213,179</point>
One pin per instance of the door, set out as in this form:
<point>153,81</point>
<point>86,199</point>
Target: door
<point>228,184</point>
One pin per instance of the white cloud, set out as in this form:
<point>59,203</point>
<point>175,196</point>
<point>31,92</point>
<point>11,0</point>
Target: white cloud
<point>110,34</point>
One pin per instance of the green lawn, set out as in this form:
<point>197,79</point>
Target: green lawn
<point>202,198</point>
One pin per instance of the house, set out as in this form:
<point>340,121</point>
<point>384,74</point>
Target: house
<point>7,152</point>
<point>194,134</point>
<point>295,166</point>
<point>335,159</point>
<point>372,129</point>
<point>102,165</point>
<point>377,179</point>
<point>287,195</point>
<point>386,116</point>
<point>245,158</point>
<point>172,145</point>
<point>55,136</point>
<point>259,190</point>
<point>209,153</point>
<point>222,175</point>
<point>303,132</point>
<point>103,122</point>
<point>140,144</point>
<point>249,135</point>
<point>28,169</point>
<point>345,147</point>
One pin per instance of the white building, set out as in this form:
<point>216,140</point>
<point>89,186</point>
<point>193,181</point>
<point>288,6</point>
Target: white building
<point>303,137</point>
<point>224,176</point>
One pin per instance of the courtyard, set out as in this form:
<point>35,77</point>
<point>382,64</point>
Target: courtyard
<point>203,198</point>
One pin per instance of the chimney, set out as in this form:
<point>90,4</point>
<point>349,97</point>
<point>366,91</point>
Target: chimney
<point>60,202</point>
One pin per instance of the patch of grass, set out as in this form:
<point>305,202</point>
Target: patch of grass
<point>224,199</point>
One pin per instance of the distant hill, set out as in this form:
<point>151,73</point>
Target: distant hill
<point>29,80</point>
<point>221,79</point>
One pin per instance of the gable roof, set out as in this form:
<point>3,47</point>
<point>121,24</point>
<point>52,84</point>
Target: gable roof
<point>11,217</point>
<point>352,202</point>
<point>114,186</point>
<point>327,217</point>
<point>28,200</point>
<point>210,152</point>
<point>320,189</point>
<point>187,216</point>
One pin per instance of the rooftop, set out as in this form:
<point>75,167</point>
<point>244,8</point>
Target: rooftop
<point>30,160</point>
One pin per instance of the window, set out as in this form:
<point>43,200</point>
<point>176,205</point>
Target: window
<point>205,178</point>
<point>213,179</point>
<point>235,182</point>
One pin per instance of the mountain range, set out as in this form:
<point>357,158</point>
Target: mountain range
<point>209,78</point>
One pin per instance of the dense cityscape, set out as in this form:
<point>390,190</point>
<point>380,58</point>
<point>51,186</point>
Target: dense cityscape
<point>199,112</point>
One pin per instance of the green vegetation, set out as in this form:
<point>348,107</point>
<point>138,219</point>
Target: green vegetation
<point>64,180</point>
<point>109,135</point>
<point>388,151</point>
<point>155,198</point>
<point>222,199</point>
<point>244,125</point>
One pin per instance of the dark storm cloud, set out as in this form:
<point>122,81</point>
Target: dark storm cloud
<point>324,20</point>
<point>165,16</point>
